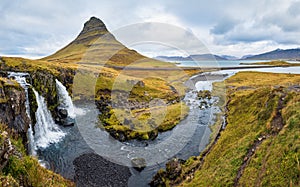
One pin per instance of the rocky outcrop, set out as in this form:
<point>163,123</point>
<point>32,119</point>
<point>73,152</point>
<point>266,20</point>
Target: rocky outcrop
<point>12,107</point>
<point>6,150</point>
<point>173,170</point>
<point>44,82</point>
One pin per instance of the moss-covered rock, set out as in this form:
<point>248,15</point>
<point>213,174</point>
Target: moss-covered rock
<point>12,107</point>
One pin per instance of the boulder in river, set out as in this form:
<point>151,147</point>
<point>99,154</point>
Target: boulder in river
<point>138,163</point>
<point>62,113</point>
<point>64,119</point>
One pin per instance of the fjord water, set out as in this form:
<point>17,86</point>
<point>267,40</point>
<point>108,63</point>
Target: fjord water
<point>220,63</point>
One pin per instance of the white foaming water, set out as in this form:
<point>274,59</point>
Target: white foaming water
<point>21,79</point>
<point>46,131</point>
<point>64,99</point>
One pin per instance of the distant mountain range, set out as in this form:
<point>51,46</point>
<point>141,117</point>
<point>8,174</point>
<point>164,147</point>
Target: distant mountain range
<point>199,57</point>
<point>278,54</point>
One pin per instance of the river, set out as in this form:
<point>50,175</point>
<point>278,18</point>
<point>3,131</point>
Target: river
<point>187,139</point>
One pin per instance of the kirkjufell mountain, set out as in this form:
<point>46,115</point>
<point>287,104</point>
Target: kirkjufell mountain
<point>96,44</point>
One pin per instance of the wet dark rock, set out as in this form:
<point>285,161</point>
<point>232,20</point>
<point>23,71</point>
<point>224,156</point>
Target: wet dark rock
<point>153,134</point>
<point>203,105</point>
<point>141,84</point>
<point>173,168</point>
<point>63,118</point>
<point>158,179</point>
<point>138,163</point>
<point>13,110</point>
<point>127,121</point>
<point>121,136</point>
<point>93,170</point>
<point>63,113</point>
<point>67,122</point>
<point>117,135</point>
<point>204,94</point>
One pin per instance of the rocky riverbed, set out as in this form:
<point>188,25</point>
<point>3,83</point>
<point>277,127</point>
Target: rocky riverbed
<point>93,170</point>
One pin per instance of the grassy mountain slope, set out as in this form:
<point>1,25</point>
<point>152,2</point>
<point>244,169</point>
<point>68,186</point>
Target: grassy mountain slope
<point>96,45</point>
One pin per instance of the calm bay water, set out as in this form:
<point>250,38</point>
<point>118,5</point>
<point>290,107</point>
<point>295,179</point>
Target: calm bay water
<point>223,63</point>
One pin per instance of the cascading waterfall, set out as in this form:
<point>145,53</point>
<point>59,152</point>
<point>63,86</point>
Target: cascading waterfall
<point>21,79</point>
<point>64,99</point>
<point>46,131</point>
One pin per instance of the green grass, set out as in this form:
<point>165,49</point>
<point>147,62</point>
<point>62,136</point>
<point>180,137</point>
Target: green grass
<point>143,122</point>
<point>26,170</point>
<point>252,106</point>
<point>276,161</point>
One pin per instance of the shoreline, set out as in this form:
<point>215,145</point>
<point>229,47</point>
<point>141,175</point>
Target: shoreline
<point>185,68</point>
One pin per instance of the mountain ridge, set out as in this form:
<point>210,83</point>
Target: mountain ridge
<point>277,54</point>
<point>195,57</point>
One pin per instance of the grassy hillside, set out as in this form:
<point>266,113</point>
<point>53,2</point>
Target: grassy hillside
<point>20,169</point>
<point>260,144</point>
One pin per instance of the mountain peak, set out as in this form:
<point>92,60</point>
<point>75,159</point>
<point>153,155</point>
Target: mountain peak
<point>95,43</point>
<point>93,24</point>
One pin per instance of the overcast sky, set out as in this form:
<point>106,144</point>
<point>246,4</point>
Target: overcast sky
<point>36,28</point>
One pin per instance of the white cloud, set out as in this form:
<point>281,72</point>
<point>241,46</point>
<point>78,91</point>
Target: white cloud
<point>226,27</point>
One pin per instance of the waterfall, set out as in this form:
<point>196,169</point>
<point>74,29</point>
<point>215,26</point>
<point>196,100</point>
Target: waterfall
<point>46,131</point>
<point>21,79</point>
<point>64,99</point>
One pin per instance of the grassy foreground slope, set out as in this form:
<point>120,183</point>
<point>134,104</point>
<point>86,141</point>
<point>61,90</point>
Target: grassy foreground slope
<point>18,169</point>
<point>260,145</point>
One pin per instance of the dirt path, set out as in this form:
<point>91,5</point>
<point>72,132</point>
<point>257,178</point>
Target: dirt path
<point>276,126</point>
